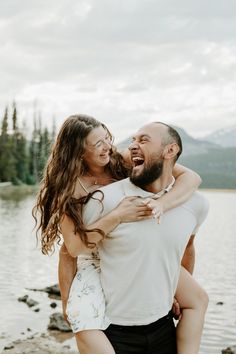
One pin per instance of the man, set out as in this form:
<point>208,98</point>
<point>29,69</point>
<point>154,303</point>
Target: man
<point>140,261</point>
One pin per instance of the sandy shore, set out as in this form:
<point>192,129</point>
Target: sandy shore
<point>48,344</point>
<point>44,343</point>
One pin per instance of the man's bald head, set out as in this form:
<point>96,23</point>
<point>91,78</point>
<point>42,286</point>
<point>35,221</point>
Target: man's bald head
<point>167,134</point>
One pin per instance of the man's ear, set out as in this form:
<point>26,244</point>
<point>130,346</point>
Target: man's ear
<point>170,151</point>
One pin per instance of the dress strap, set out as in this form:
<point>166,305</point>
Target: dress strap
<point>83,186</point>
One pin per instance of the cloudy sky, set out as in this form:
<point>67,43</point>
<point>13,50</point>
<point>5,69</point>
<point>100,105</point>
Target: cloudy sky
<point>126,62</point>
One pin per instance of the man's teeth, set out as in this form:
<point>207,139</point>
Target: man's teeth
<point>137,160</point>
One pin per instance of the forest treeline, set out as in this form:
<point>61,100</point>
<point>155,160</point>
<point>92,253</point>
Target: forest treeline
<point>22,159</point>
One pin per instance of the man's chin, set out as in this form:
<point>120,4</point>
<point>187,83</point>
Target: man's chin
<point>136,178</point>
<point>137,170</point>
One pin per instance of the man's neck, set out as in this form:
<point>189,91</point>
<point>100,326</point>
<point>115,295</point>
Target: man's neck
<point>160,184</point>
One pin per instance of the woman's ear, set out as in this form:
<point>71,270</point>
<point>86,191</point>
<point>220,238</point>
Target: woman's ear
<point>170,151</point>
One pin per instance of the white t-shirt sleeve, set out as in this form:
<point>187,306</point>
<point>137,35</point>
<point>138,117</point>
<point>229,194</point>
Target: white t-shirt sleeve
<point>202,211</point>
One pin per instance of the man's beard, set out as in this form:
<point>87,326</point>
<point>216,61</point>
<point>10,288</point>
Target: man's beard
<point>150,173</point>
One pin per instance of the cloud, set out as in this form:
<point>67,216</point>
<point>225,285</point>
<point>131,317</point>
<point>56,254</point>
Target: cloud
<point>130,60</point>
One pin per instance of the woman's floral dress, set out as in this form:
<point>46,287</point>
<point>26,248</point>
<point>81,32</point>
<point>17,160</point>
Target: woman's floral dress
<point>86,303</point>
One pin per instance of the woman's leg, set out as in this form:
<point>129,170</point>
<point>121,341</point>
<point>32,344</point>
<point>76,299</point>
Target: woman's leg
<point>193,301</point>
<point>93,342</point>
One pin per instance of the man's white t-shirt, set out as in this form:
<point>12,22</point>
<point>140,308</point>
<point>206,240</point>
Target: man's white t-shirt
<point>140,261</point>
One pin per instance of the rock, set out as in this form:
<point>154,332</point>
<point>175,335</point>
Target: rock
<point>17,341</point>
<point>220,303</point>
<point>66,346</point>
<point>229,350</point>
<point>57,322</point>
<point>27,300</point>
<point>53,291</point>
<point>23,298</point>
<point>40,344</point>
<point>53,305</point>
<point>8,347</point>
<point>31,302</point>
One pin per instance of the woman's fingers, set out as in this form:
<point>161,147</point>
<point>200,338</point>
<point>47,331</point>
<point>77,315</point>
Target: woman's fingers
<point>145,208</point>
<point>150,214</point>
<point>157,214</point>
<point>146,201</point>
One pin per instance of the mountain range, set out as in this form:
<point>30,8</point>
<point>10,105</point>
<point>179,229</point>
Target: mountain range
<point>213,157</point>
<point>223,137</point>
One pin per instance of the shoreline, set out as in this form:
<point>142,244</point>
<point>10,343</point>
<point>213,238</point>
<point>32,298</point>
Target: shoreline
<point>51,342</point>
<point>225,190</point>
<point>55,342</point>
<point>28,189</point>
<point>17,192</point>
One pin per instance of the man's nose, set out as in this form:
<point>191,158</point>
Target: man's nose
<point>133,146</point>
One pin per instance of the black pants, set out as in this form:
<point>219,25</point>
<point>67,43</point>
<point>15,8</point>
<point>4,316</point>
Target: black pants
<point>155,338</point>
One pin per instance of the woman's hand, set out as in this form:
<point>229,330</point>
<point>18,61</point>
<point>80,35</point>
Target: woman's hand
<point>156,207</point>
<point>132,209</point>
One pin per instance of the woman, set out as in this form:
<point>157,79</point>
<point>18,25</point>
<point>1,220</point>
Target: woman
<point>82,159</point>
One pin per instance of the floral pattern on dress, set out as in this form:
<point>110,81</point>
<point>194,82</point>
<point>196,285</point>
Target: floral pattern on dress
<point>86,303</point>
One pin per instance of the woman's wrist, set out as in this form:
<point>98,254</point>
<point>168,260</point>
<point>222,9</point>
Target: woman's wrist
<point>116,217</point>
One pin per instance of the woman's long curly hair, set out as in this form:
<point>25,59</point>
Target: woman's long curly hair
<point>65,164</point>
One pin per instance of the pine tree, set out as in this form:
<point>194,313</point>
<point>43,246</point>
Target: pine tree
<point>54,128</point>
<point>7,159</point>
<point>19,146</point>
<point>44,150</point>
<point>14,117</point>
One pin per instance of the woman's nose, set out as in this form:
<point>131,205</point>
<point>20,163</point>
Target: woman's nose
<point>106,144</point>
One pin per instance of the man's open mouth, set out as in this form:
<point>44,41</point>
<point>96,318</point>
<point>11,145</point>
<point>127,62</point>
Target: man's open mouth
<point>137,161</point>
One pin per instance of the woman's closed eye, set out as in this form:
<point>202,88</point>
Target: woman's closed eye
<point>107,140</point>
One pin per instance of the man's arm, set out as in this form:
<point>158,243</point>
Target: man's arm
<point>66,271</point>
<point>188,259</point>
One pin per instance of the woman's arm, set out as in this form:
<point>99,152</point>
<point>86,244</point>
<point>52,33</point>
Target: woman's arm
<point>187,182</point>
<point>66,271</point>
<point>129,209</point>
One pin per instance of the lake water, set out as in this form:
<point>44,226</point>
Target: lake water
<point>22,266</point>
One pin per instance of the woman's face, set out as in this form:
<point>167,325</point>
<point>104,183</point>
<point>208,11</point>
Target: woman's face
<point>97,148</point>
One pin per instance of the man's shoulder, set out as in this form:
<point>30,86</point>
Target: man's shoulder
<point>114,187</point>
<point>197,198</point>
<point>111,193</point>
<point>197,203</point>
<point>103,200</point>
